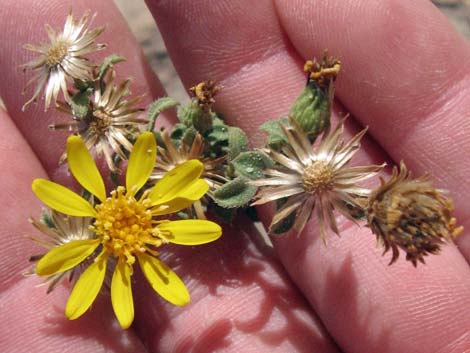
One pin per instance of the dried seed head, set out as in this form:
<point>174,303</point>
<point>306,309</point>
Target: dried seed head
<point>324,71</point>
<point>318,177</point>
<point>205,92</point>
<point>56,53</point>
<point>412,215</point>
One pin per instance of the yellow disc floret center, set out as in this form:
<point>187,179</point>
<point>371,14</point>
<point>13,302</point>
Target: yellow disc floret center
<point>125,225</point>
<point>318,177</point>
<point>56,53</point>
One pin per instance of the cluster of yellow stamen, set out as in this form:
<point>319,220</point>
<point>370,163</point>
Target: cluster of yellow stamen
<point>317,177</point>
<point>125,225</point>
<point>56,53</point>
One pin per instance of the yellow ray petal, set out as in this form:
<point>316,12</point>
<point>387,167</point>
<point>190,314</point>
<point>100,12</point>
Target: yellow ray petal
<point>141,162</point>
<point>163,280</point>
<point>61,199</point>
<point>65,257</point>
<point>184,199</point>
<point>176,181</point>
<point>121,294</point>
<point>86,289</point>
<point>83,167</point>
<point>191,231</point>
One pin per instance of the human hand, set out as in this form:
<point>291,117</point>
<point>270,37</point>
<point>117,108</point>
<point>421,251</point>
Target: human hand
<point>401,77</point>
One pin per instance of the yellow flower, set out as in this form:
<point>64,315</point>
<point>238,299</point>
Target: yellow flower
<point>125,227</point>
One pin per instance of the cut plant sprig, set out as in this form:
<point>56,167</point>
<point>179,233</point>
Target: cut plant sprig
<point>312,179</point>
<point>127,227</point>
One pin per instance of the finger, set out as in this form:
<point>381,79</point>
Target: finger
<point>171,331</point>
<point>241,300</point>
<point>349,273</point>
<point>28,321</point>
<point>406,76</point>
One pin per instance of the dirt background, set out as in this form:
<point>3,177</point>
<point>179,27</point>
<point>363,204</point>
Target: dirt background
<point>143,26</point>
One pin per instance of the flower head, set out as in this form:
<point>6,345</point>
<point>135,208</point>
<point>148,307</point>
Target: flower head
<point>63,59</point>
<point>410,214</point>
<point>125,227</point>
<point>60,230</point>
<point>204,92</point>
<point>323,72</point>
<point>111,120</point>
<point>170,156</point>
<point>314,179</point>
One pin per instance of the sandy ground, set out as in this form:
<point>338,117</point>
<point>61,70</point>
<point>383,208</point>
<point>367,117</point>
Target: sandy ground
<point>141,22</point>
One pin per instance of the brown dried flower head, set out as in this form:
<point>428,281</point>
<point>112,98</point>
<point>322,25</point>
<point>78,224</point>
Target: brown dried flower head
<point>314,179</point>
<point>324,71</point>
<point>63,59</point>
<point>410,214</point>
<point>111,121</point>
<point>205,92</point>
<point>169,156</point>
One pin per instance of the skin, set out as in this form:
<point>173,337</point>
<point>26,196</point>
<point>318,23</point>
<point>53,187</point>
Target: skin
<point>405,75</point>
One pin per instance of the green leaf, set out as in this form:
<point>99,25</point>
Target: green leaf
<point>46,218</point>
<point>235,193</point>
<point>177,134</point>
<point>286,224</point>
<point>218,134</point>
<point>276,136</point>
<point>193,115</point>
<point>156,108</point>
<point>251,164</point>
<point>237,142</point>
<point>108,63</point>
<point>182,215</point>
<point>224,214</point>
<point>189,136</point>
<point>311,110</point>
<point>80,104</point>
<point>83,85</point>
<point>182,113</point>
